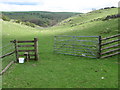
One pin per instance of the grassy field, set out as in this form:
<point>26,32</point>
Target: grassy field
<point>62,71</point>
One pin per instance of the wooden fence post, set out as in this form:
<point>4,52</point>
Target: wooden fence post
<point>16,50</point>
<point>36,48</point>
<point>99,47</point>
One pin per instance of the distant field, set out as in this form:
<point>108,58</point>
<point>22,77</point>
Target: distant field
<point>41,18</point>
<point>63,71</point>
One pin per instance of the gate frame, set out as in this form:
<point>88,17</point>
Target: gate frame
<point>35,50</point>
<point>98,44</point>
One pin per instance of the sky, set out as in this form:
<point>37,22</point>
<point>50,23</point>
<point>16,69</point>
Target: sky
<point>83,6</point>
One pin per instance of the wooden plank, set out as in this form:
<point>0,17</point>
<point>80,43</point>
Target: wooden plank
<point>16,50</point>
<point>110,51</point>
<point>29,55</point>
<point>7,54</point>
<point>25,41</point>
<point>26,50</point>
<point>111,47</point>
<point>99,47</point>
<point>116,53</point>
<point>36,48</point>
<point>110,37</point>
<point>25,45</point>
<point>110,42</point>
<point>7,67</point>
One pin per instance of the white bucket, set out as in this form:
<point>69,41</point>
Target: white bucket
<point>21,60</point>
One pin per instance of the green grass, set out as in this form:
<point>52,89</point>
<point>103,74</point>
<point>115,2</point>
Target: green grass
<point>61,71</point>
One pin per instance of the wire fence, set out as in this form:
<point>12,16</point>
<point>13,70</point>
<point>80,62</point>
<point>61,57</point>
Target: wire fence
<point>7,54</point>
<point>86,46</point>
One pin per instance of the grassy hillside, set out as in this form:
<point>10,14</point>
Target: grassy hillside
<point>63,71</point>
<point>42,18</point>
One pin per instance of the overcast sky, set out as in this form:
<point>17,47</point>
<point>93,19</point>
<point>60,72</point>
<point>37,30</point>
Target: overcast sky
<point>56,5</point>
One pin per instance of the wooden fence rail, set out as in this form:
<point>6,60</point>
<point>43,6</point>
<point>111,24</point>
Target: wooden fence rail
<point>116,53</point>
<point>5,69</point>
<point>8,54</point>
<point>5,55</point>
<point>108,52</point>
<point>110,47</point>
<point>110,42</point>
<point>110,37</point>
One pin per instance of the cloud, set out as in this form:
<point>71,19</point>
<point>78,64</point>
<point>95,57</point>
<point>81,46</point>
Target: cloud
<point>55,5</point>
<point>20,3</point>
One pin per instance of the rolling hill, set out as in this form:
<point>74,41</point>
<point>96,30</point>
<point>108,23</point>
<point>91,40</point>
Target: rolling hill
<point>41,18</point>
<point>63,71</point>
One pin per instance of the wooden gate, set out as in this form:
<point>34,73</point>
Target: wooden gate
<point>27,49</point>
<point>86,46</point>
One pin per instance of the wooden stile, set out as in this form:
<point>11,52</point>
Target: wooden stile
<point>18,48</point>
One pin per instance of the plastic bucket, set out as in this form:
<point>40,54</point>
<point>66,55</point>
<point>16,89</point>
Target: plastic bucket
<point>21,60</point>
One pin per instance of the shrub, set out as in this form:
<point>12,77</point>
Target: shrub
<point>17,21</point>
<point>28,24</point>
<point>5,18</point>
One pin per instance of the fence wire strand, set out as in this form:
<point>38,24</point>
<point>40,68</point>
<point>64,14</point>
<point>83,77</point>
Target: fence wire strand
<point>65,45</point>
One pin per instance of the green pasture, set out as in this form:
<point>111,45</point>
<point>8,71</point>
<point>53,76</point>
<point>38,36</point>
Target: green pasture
<point>56,70</point>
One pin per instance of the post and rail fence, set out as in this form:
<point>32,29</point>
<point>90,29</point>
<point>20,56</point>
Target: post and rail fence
<point>110,48</point>
<point>31,50</point>
<point>7,51</point>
